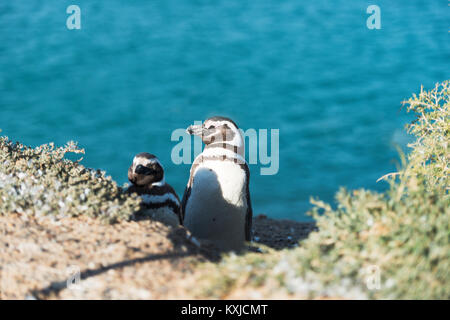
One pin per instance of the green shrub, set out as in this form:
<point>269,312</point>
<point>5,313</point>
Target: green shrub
<point>403,235</point>
<point>39,181</point>
<point>430,156</point>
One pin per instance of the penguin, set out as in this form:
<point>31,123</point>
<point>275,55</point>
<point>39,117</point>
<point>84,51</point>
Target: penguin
<point>216,204</point>
<point>159,199</point>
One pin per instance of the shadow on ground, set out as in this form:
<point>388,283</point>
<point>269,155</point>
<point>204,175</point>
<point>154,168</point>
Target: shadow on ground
<point>276,234</point>
<point>55,287</point>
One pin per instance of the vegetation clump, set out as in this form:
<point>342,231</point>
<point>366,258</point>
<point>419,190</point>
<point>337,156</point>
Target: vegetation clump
<point>40,181</point>
<point>373,245</point>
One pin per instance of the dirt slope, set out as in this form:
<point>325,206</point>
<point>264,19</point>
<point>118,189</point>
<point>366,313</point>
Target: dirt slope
<point>127,260</point>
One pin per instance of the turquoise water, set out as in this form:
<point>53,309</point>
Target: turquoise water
<point>137,70</point>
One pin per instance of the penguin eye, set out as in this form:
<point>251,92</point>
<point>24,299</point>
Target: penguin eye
<point>140,169</point>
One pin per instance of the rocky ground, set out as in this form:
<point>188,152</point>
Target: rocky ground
<point>40,257</point>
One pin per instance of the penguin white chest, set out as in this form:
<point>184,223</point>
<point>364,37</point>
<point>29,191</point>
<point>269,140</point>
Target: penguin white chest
<point>223,179</point>
<point>217,204</point>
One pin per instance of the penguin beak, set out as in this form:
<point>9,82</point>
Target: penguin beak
<point>196,130</point>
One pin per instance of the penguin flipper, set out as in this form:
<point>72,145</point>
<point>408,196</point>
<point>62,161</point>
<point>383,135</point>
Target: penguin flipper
<point>248,220</point>
<point>178,211</point>
<point>187,190</point>
<point>187,193</point>
<point>249,214</point>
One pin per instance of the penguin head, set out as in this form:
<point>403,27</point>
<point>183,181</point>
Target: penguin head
<point>217,129</point>
<point>145,170</point>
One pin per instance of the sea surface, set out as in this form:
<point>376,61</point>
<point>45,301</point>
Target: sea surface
<point>137,70</point>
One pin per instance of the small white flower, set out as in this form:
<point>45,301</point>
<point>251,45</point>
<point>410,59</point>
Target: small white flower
<point>21,175</point>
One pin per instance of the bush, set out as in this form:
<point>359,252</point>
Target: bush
<point>39,181</point>
<point>402,235</point>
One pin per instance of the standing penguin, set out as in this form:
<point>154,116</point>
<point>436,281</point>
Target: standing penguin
<point>160,200</point>
<point>216,202</point>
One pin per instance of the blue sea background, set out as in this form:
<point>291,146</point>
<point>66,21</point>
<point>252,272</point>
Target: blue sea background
<point>139,69</point>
